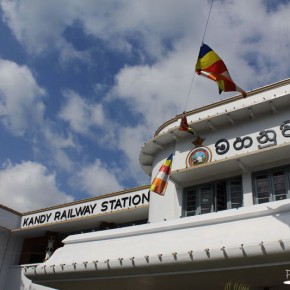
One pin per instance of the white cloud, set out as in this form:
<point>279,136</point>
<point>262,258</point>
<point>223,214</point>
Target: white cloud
<point>56,145</point>
<point>22,110</point>
<point>130,140</point>
<point>159,91</point>
<point>252,40</point>
<point>255,53</point>
<point>28,186</point>
<point>151,23</point>
<point>98,179</point>
<point>156,27</point>
<point>169,32</point>
<point>21,105</point>
<point>36,24</point>
<point>80,113</point>
<point>40,25</point>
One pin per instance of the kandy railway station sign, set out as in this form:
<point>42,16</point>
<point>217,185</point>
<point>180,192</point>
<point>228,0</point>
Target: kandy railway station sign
<point>106,205</point>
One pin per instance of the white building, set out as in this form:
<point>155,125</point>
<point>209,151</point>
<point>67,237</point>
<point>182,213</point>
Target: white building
<point>224,218</point>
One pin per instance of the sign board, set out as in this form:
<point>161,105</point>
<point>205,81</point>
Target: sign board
<point>86,209</point>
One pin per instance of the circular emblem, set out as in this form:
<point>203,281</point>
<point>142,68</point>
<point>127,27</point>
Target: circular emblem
<point>198,156</point>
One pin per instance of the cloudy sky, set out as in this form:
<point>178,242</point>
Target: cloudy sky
<point>83,84</point>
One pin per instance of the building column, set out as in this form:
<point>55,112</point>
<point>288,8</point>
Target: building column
<point>247,189</point>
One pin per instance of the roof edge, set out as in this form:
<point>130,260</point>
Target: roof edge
<point>222,102</point>
<point>10,210</point>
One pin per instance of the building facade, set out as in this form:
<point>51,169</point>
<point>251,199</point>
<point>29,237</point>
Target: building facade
<point>224,218</point>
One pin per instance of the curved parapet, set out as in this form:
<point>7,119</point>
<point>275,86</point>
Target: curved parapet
<point>236,238</point>
<point>223,114</point>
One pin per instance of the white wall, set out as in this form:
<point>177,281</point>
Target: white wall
<point>4,239</point>
<point>170,206</point>
<point>16,280</point>
<point>8,219</point>
<point>268,224</point>
<point>10,247</point>
<point>241,129</point>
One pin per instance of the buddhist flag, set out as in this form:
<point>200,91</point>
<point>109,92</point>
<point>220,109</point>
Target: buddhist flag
<point>184,126</point>
<point>159,183</point>
<point>210,65</point>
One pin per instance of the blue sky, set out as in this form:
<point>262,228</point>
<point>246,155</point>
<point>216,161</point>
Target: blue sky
<point>83,84</point>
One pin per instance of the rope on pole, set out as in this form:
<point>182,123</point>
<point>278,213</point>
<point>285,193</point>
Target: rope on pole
<point>193,77</point>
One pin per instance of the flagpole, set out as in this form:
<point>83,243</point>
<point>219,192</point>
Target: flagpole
<point>187,99</point>
<point>193,77</point>
<point>207,21</point>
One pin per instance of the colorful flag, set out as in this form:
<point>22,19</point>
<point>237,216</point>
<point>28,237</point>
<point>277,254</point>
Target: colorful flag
<point>210,65</point>
<point>198,142</point>
<point>159,183</point>
<point>184,126</point>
